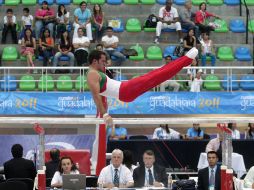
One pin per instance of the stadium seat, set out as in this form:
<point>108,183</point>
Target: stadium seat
<point>118,29</point>
<point>179,2</point>
<point>114,2</point>
<point>100,2</point>
<point>215,2</point>
<point>248,2</point>
<point>147,2</point>
<point>237,25</point>
<point>232,2</point>
<point>120,77</point>
<point>140,55</point>
<point>23,58</point>
<point>226,83</point>
<point>10,53</point>
<point>130,2</point>
<point>169,50</point>
<point>29,2</point>
<point>223,25</point>
<point>212,83</point>
<point>46,83</point>
<point>11,2</point>
<point>133,25</point>
<point>50,2</point>
<point>251,26</point>
<point>27,83</point>
<point>8,83</point>
<point>161,2</point>
<point>64,2</point>
<point>225,54</point>
<point>247,82</point>
<point>154,53</point>
<point>81,83</point>
<point>64,83</point>
<point>197,2</point>
<point>242,54</point>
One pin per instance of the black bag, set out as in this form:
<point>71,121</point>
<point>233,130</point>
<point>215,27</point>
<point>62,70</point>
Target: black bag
<point>179,51</point>
<point>151,21</point>
<point>129,52</point>
<point>185,184</point>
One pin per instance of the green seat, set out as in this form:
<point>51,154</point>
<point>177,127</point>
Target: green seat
<point>183,84</point>
<point>147,2</point>
<point>100,2</point>
<point>64,83</point>
<point>29,2</point>
<point>140,55</point>
<point>81,84</point>
<point>12,2</point>
<point>154,53</point>
<point>23,58</point>
<point>133,25</point>
<point>77,2</point>
<point>248,2</point>
<point>251,26</point>
<point>212,83</point>
<point>225,53</point>
<point>197,2</point>
<point>131,2</point>
<point>46,83</point>
<point>223,25</point>
<point>27,83</point>
<point>10,53</point>
<point>215,2</point>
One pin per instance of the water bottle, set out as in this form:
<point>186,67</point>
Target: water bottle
<point>170,182</point>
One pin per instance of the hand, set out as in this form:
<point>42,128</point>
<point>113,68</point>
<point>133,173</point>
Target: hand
<point>100,27</point>
<point>109,185</point>
<point>157,184</point>
<point>108,120</point>
<point>169,22</point>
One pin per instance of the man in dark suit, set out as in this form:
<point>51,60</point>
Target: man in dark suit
<point>52,165</point>
<point>149,174</point>
<point>209,177</point>
<point>19,167</point>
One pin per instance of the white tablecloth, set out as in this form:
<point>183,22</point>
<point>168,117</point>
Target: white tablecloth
<point>237,163</point>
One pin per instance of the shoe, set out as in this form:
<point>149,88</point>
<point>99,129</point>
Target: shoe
<point>181,41</point>
<point>192,53</point>
<point>156,41</point>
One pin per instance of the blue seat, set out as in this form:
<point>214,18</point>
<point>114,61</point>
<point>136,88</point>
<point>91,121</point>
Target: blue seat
<point>64,58</point>
<point>119,48</point>
<point>114,2</point>
<point>8,83</point>
<point>169,50</point>
<point>168,30</point>
<point>50,2</point>
<point>1,2</point>
<point>179,2</point>
<point>64,2</point>
<point>246,84</point>
<point>120,77</point>
<point>232,2</point>
<point>242,54</point>
<point>161,2</point>
<point>121,29</point>
<point>227,83</point>
<point>237,25</point>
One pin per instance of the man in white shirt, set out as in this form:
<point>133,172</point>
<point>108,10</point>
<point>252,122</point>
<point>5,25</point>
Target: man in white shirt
<point>110,43</point>
<point>81,44</point>
<point>9,24</point>
<point>197,82</point>
<point>168,18</point>
<point>249,179</point>
<point>116,174</point>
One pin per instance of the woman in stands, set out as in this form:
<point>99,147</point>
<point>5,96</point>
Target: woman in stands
<point>28,46</point>
<point>189,41</point>
<point>98,20</point>
<point>64,48</point>
<point>62,20</point>
<point>250,131</point>
<point>66,166</point>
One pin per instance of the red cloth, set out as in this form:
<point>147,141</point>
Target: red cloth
<point>201,16</point>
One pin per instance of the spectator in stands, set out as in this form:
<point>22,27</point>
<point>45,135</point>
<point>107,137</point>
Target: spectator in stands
<point>62,20</point>
<point>235,132</point>
<point>19,167</point>
<point>168,18</point>
<point>28,47</point>
<point>27,22</point>
<point>207,50</point>
<point>197,82</point>
<point>66,166</point>
<point>149,173</point>
<point>81,44</point>
<point>110,43</point>
<point>164,132</point>
<point>200,19</point>
<point>189,40</point>
<point>250,131</point>
<point>98,20</point>
<point>191,72</point>
<point>82,19</point>
<point>128,160</point>
<point>52,165</point>
<point>64,48</point>
<point>209,177</point>
<point>46,47</point>
<point>195,132</point>
<point>117,133</point>
<point>169,83</point>
<point>45,18</point>
<point>249,179</point>
<point>216,145</point>
<point>9,25</point>
<point>116,174</point>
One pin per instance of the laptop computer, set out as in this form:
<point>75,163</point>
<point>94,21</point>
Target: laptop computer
<point>74,181</point>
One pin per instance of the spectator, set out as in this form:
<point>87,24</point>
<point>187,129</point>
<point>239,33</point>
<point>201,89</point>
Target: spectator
<point>116,174</point>
<point>191,72</point>
<point>235,132</point>
<point>110,43</point>
<point>66,166</point>
<point>81,44</point>
<point>62,20</point>
<point>168,18</point>
<point>197,82</point>
<point>249,179</point>
<point>19,167</point>
<point>164,132</point>
<point>28,47</point>
<point>117,133</point>
<point>9,25</point>
<point>64,48</point>
<point>98,20</point>
<point>128,160</point>
<point>82,19</point>
<point>195,132</point>
<point>52,165</point>
<point>169,83</point>
<point>46,46</point>
<point>250,131</point>
<point>207,50</point>
<point>189,40</point>
<point>45,18</point>
<point>149,173</point>
<point>27,22</point>
<point>200,19</point>
<point>209,177</point>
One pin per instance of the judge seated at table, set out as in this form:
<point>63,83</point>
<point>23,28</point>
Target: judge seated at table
<point>249,179</point>
<point>195,132</point>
